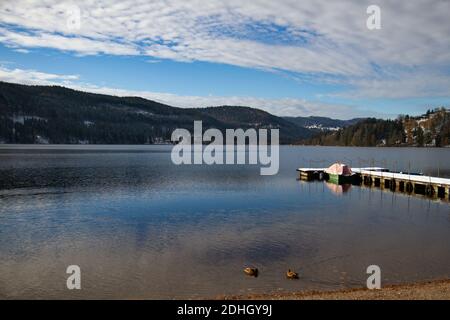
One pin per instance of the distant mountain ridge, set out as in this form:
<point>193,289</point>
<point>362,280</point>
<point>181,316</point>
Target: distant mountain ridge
<point>54,114</point>
<point>322,123</point>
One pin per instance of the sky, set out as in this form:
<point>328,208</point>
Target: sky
<point>290,58</point>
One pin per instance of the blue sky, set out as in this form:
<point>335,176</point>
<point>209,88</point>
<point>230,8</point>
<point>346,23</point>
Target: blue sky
<point>292,59</point>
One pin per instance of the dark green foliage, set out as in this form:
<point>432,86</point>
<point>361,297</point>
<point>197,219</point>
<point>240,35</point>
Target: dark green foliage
<point>443,139</point>
<point>369,132</point>
<point>52,114</point>
<point>38,114</point>
<point>404,131</point>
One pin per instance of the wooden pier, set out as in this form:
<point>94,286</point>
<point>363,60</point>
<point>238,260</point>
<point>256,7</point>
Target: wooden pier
<point>397,182</point>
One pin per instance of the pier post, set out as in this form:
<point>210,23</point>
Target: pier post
<point>401,186</point>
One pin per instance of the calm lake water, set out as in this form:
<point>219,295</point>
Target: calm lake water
<point>141,227</point>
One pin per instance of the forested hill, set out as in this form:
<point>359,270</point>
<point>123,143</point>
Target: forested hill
<point>431,129</point>
<point>53,114</point>
<point>245,117</point>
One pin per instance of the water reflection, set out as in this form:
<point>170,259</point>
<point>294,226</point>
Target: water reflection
<point>140,227</point>
<point>338,188</point>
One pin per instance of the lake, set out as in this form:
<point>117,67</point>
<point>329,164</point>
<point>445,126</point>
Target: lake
<point>141,227</point>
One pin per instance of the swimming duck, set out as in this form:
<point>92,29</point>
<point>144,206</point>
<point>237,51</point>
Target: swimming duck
<point>291,274</point>
<point>251,271</point>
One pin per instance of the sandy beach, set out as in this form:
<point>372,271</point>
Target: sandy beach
<point>432,290</point>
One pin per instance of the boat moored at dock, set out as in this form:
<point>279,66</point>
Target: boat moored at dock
<point>411,183</point>
<point>339,173</point>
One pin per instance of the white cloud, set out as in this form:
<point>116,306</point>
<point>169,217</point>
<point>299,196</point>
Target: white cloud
<point>20,50</point>
<point>76,44</point>
<point>33,77</point>
<point>416,85</point>
<point>317,37</point>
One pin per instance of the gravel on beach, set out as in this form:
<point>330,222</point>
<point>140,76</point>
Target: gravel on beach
<point>432,290</point>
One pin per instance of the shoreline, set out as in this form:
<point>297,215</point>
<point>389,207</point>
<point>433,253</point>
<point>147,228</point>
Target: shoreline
<point>429,290</point>
<point>205,144</point>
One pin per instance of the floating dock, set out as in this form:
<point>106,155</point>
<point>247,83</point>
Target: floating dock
<point>381,177</point>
